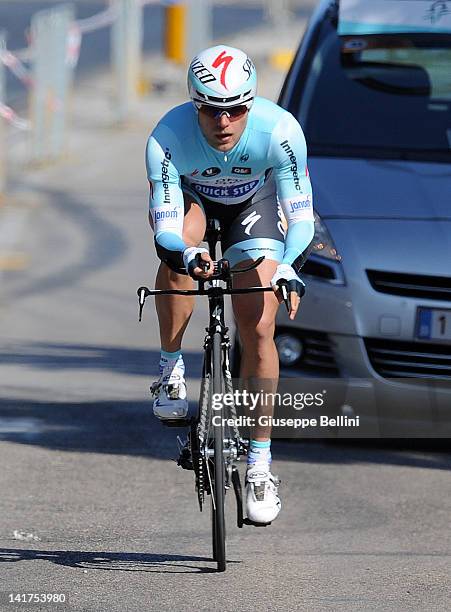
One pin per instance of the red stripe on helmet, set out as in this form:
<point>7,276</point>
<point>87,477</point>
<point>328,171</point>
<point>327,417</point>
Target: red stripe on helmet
<point>223,59</point>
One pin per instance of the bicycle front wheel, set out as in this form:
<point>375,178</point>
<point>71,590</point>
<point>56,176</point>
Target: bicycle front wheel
<point>218,493</point>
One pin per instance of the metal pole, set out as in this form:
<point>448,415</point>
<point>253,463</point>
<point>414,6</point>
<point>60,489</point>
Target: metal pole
<point>199,27</point>
<point>126,45</point>
<point>2,121</point>
<point>52,76</point>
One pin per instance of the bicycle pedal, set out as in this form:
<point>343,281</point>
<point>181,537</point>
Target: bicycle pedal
<point>184,460</point>
<point>247,521</point>
<point>175,422</point>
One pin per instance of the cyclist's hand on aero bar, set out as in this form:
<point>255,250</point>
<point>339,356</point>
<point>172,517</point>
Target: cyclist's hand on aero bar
<point>288,288</point>
<point>198,263</point>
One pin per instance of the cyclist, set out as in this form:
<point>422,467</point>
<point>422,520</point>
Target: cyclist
<point>241,159</point>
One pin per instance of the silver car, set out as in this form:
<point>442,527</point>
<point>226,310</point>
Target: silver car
<point>376,112</point>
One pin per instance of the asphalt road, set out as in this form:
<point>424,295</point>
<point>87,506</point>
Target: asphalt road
<point>87,471</point>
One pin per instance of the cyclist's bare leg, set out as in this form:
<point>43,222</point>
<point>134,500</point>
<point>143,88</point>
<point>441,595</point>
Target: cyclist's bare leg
<point>255,315</point>
<point>174,312</point>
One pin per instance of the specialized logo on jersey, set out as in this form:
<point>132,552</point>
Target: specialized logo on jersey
<point>225,192</point>
<point>294,167</point>
<point>244,158</point>
<point>250,221</point>
<point>223,59</point>
<point>211,171</point>
<point>239,170</point>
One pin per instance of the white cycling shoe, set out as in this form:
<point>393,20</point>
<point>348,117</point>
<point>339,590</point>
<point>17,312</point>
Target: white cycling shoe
<point>262,499</point>
<point>169,390</point>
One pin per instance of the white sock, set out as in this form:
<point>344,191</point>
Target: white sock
<point>168,361</point>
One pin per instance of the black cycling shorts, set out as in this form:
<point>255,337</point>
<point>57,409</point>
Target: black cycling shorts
<point>250,229</point>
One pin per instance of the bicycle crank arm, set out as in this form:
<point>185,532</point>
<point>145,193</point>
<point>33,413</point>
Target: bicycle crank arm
<point>238,495</point>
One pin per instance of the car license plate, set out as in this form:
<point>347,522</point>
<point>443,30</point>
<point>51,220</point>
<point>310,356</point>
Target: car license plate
<point>434,324</point>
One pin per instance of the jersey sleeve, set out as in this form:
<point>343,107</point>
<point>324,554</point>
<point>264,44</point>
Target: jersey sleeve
<point>164,163</point>
<point>288,152</point>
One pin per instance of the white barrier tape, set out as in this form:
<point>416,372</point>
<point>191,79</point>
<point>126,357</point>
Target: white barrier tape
<point>83,26</point>
<point>12,62</point>
<point>11,117</point>
<point>101,20</point>
<point>24,55</point>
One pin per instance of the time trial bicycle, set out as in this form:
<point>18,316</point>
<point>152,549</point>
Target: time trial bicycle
<point>213,447</point>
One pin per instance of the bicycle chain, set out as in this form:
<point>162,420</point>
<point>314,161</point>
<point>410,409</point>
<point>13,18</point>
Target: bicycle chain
<point>201,435</point>
<point>229,389</point>
<point>202,426</point>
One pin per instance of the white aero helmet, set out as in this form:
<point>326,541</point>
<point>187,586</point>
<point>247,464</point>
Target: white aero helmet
<point>222,76</point>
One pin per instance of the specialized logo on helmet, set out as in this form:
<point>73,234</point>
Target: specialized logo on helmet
<point>202,73</point>
<point>248,67</point>
<point>223,59</point>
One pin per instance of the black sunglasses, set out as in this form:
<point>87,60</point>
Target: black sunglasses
<point>214,112</point>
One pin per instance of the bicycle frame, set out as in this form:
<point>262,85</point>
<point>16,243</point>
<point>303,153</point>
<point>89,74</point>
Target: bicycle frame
<point>216,453</point>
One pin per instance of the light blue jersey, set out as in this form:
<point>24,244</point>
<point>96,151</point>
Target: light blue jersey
<point>272,140</point>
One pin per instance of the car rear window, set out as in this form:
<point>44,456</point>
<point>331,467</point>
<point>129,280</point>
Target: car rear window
<point>384,95</point>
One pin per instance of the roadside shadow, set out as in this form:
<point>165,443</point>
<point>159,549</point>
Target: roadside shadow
<point>128,427</point>
<point>111,427</point>
<point>113,561</point>
<point>117,359</point>
<point>433,454</point>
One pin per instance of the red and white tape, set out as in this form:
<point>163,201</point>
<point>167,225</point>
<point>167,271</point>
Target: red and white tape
<point>15,61</point>
<point>11,117</point>
<point>73,45</point>
<point>12,62</point>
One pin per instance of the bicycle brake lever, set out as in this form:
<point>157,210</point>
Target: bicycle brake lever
<point>200,263</point>
<point>142,294</point>
<point>285,296</point>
